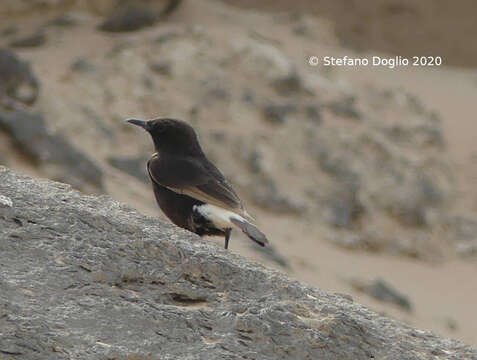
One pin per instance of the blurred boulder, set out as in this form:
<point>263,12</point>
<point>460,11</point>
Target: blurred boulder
<point>278,113</point>
<point>81,64</point>
<point>356,240</point>
<point>9,31</point>
<point>289,85</point>
<point>32,40</point>
<point>255,161</point>
<point>135,15</point>
<point>129,17</point>
<point>9,7</point>
<point>64,20</point>
<point>313,113</point>
<point>17,80</point>
<point>98,7</point>
<point>161,67</point>
<point>411,201</point>
<point>466,248</point>
<point>215,88</point>
<point>345,107</point>
<point>263,59</point>
<point>464,234</point>
<point>29,132</point>
<point>344,208</point>
<point>418,136</point>
<point>382,291</point>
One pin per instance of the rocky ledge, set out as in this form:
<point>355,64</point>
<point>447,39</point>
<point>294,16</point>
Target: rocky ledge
<point>85,277</point>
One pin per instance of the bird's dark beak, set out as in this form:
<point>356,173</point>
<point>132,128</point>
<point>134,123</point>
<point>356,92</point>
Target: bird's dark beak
<point>140,123</point>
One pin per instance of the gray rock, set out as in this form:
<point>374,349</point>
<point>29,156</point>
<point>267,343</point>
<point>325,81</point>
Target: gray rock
<point>33,139</point>
<point>15,74</point>
<point>20,7</point>
<point>355,240</point>
<point>248,96</point>
<point>344,208</point>
<point>161,67</point>
<point>278,113</point>
<point>32,40</point>
<point>87,278</point>
<point>381,290</point>
<point>171,6</point>
<point>215,88</point>
<point>5,201</point>
<point>313,113</point>
<point>63,20</point>
<point>262,59</point>
<point>129,17</point>
<point>345,107</point>
<point>337,166</point>
<point>288,85</point>
<point>9,30</point>
<point>464,232</point>
<point>421,136</point>
<point>412,200</point>
<point>218,136</point>
<point>118,48</point>
<point>303,26</point>
<point>168,36</point>
<point>255,161</point>
<point>300,30</point>
<point>415,103</point>
<point>468,248</point>
<point>81,64</point>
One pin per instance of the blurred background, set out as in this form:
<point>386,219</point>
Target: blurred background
<point>363,178</point>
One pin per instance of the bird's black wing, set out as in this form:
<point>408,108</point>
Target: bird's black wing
<point>197,178</point>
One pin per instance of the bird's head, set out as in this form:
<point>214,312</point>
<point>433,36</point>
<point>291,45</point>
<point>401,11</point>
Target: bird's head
<point>171,136</point>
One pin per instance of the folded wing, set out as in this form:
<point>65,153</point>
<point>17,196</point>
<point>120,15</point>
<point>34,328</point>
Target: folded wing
<point>197,178</point>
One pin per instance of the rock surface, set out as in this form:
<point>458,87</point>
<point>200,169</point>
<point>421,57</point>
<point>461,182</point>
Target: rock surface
<point>87,278</point>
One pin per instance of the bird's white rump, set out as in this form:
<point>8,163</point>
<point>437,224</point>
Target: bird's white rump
<point>220,217</point>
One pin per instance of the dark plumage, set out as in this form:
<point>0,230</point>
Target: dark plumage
<point>188,188</point>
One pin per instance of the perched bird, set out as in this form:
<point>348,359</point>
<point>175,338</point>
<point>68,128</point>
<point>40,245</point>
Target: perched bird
<point>189,189</point>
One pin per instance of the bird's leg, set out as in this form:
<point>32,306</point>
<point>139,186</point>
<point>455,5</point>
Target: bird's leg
<point>227,237</point>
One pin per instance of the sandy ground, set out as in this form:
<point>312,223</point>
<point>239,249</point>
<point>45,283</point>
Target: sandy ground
<point>443,294</point>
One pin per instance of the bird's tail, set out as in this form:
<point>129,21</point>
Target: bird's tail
<point>250,230</point>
